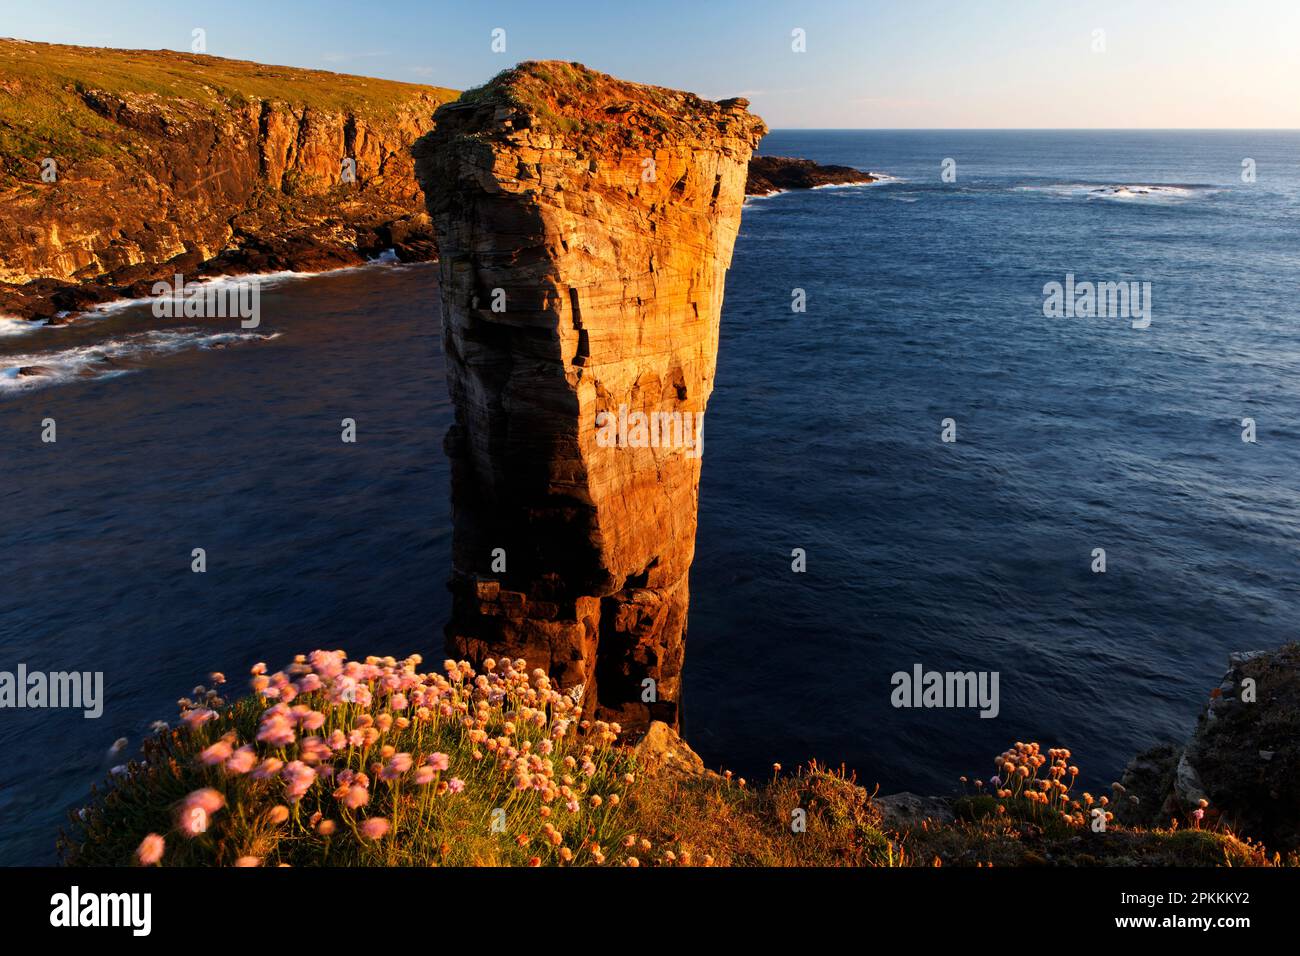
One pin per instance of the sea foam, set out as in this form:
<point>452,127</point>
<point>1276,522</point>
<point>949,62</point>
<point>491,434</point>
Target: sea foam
<point>110,358</point>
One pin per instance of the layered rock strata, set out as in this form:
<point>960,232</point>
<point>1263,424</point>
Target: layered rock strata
<point>122,167</point>
<point>585,226</point>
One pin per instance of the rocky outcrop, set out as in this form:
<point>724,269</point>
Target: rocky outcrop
<point>662,750</point>
<point>1243,759</point>
<point>774,174</point>
<point>585,227</point>
<point>118,168</point>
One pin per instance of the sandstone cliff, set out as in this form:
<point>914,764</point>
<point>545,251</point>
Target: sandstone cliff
<point>164,156</point>
<point>585,227</point>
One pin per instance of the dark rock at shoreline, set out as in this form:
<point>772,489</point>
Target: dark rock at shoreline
<point>772,174</point>
<point>1243,758</point>
<point>410,238</point>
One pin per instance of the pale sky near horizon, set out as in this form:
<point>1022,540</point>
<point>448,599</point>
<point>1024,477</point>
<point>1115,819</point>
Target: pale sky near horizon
<point>870,63</point>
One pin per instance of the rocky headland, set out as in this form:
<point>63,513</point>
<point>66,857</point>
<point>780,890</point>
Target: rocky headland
<point>119,168</point>
<point>585,226</point>
<point>776,174</point>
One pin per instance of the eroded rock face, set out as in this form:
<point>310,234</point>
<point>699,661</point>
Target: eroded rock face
<point>236,167</point>
<point>585,227</point>
<point>1243,759</point>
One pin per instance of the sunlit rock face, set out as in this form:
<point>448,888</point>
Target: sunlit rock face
<point>585,226</point>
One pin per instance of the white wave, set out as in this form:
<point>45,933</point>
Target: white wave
<point>110,358</point>
<point>1122,192</point>
<point>10,327</point>
<point>843,185</point>
<point>263,280</point>
<point>260,279</point>
<point>882,179</point>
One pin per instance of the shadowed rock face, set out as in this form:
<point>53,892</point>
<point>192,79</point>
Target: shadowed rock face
<point>585,227</point>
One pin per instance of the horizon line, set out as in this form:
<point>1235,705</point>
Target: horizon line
<point>1035,129</point>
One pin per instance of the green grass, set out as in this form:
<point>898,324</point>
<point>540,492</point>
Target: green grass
<point>571,99</point>
<point>43,113</point>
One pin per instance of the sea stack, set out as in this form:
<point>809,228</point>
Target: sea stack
<point>585,226</point>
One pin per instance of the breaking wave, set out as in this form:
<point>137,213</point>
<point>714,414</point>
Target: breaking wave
<point>1162,193</point>
<point>110,358</point>
<point>10,327</point>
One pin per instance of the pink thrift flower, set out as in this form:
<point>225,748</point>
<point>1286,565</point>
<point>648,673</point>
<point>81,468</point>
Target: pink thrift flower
<point>268,768</point>
<point>242,760</point>
<point>398,764</point>
<point>356,797</point>
<point>313,750</point>
<point>455,785</point>
<point>197,810</point>
<point>197,717</point>
<point>217,753</point>
<point>150,850</point>
<point>276,731</point>
<point>374,828</point>
<point>309,683</point>
<point>298,778</point>
<point>438,761</point>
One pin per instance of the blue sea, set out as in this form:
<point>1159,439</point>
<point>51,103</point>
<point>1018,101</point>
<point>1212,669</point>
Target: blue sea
<point>924,302</point>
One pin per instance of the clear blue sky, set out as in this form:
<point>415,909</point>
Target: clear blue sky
<point>869,63</point>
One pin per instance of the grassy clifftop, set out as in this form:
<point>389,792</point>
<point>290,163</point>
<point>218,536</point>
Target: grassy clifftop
<point>44,109</point>
<point>118,167</point>
<point>377,763</point>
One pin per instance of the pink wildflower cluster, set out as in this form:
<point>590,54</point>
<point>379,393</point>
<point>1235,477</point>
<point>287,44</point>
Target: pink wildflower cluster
<point>347,740</point>
<point>1024,773</point>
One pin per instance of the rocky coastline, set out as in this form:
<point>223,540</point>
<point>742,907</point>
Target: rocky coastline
<point>122,168</point>
<point>1236,774</point>
<point>156,174</point>
<point>769,175</point>
<point>583,227</point>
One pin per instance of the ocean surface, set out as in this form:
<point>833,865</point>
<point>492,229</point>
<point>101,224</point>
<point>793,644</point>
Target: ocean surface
<point>924,303</point>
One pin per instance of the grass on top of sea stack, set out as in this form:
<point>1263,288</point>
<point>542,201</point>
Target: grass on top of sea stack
<point>351,763</point>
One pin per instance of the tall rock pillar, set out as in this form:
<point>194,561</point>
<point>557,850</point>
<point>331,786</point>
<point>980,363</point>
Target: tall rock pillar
<point>585,226</point>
